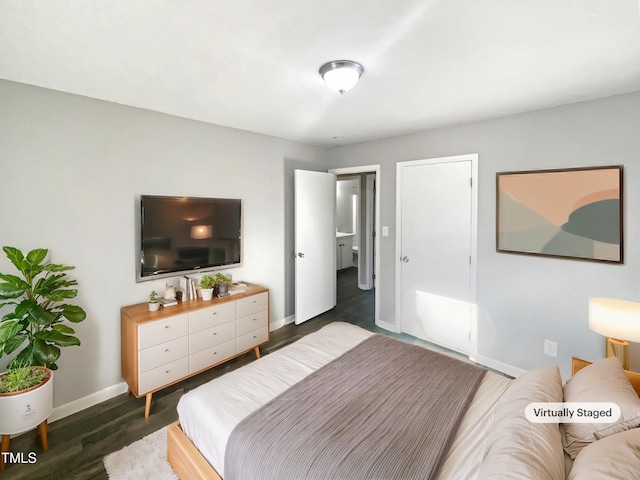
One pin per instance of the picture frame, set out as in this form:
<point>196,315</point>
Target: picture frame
<point>574,213</point>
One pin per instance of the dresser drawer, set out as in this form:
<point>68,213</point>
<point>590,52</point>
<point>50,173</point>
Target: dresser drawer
<point>254,303</point>
<point>252,322</point>
<point>211,356</point>
<point>211,316</point>
<point>162,376</point>
<point>212,336</point>
<point>161,331</point>
<point>250,340</point>
<point>167,352</point>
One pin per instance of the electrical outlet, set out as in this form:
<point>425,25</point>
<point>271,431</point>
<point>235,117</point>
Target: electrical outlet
<point>550,348</point>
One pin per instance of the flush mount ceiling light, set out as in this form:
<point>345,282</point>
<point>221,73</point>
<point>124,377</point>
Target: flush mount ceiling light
<point>341,75</point>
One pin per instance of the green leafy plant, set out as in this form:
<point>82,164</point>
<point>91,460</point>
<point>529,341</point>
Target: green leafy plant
<point>220,278</point>
<point>153,297</point>
<point>21,377</point>
<point>207,281</point>
<point>39,311</point>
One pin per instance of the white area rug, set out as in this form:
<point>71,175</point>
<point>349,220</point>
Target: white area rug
<point>144,459</point>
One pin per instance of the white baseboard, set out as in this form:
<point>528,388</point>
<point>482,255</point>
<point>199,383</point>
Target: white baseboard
<point>498,365</point>
<point>86,402</point>
<point>387,326</point>
<point>281,323</point>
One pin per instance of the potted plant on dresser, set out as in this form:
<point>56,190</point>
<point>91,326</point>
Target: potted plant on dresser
<point>207,284</point>
<point>222,283</point>
<point>36,328</point>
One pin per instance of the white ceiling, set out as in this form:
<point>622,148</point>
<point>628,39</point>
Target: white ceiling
<point>254,65</point>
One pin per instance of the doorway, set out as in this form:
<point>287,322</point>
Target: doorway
<point>357,224</point>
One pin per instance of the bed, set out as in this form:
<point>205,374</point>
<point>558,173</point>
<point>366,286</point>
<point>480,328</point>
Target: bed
<point>490,438</point>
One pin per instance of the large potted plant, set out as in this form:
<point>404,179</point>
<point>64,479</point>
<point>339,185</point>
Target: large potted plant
<point>36,328</point>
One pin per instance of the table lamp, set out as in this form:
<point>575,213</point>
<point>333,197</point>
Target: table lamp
<point>619,321</point>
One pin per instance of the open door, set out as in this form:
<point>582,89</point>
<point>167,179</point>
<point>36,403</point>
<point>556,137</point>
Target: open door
<point>315,232</point>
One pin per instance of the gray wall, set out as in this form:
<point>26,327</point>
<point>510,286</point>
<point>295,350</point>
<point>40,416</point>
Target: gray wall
<point>524,300</point>
<point>71,169</point>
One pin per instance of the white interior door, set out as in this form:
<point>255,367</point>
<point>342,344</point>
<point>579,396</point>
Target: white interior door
<point>315,231</point>
<point>436,219</point>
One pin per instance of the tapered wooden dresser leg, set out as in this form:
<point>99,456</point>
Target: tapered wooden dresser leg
<point>257,350</point>
<point>147,408</point>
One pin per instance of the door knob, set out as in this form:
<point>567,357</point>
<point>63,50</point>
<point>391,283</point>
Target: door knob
<point>301,255</point>
<point>405,259</point>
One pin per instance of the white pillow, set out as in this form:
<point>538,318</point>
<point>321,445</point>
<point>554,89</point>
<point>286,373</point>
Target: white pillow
<point>517,448</point>
<point>616,457</point>
<point>603,381</point>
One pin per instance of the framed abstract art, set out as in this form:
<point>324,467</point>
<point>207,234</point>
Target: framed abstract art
<point>567,213</point>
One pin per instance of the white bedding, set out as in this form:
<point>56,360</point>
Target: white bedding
<point>209,413</point>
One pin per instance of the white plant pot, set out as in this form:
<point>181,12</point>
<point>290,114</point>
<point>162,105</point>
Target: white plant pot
<point>207,293</point>
<point>153,307</point>
<point>22,412</point>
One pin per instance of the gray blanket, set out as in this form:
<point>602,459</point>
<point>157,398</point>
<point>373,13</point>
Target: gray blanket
<point>383,410</point>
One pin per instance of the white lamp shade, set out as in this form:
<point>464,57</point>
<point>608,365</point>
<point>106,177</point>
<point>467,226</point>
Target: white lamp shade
<point>619,319</point>
<point>201,231</point>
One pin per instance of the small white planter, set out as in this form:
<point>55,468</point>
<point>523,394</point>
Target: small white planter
<point>23,411</point>
<point>207,293</point>
<point>153,307</point>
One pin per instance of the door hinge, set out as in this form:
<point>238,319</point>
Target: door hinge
<point>471,182</point>
<point>373,276</point>
<point>373,234</point>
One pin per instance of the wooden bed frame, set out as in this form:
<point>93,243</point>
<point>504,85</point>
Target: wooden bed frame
<point>578,364</point>
<point>189,464</point>
<point>185,459</point>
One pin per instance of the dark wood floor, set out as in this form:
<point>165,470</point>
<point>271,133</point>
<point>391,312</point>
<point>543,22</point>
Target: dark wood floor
<point>78,443</point>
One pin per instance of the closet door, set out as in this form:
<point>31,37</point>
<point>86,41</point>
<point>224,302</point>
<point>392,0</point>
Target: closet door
<point>436,237</point>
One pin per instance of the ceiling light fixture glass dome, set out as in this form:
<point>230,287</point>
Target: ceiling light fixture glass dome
<point>341,75</point>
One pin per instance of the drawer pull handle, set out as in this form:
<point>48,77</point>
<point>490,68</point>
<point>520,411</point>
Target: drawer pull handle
<point>166,350</point>
<point>215,333</point>
<point>254,336</point>
<point>167,371</point>
<point>166,326</point>
<point>215,313</point>
<point>215,353</point>
<point>254,301</point>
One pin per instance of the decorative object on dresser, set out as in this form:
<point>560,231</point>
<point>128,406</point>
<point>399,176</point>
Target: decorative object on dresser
<point>207,284</point>
<point>222,284</point>
<point>165,347</point>
<point>619,321</point>
<point>153,302</point>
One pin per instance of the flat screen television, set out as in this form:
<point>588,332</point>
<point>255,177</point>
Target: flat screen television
<point>180,235</point>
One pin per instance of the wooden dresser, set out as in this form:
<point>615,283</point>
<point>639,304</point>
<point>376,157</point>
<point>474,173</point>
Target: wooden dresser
<point>164,347</point>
